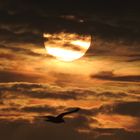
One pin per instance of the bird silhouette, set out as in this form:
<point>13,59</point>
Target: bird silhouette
<point>59,118</point>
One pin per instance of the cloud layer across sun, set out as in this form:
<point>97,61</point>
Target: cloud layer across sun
<point>67,46</point>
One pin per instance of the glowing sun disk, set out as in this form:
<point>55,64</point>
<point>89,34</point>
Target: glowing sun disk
<point>66,46</point>
<point>65,55</point>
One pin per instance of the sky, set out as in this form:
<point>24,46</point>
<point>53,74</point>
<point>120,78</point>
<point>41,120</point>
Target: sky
<point>104,83</point>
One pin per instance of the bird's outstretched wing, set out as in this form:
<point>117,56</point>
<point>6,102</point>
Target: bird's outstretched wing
<point>68,112</point>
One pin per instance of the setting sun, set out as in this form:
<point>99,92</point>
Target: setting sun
<point>66,46</point>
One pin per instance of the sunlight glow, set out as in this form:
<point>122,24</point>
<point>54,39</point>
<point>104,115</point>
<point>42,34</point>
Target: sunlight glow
<point>66,46</point>
<point>82,44</point>
<point>64,55</point>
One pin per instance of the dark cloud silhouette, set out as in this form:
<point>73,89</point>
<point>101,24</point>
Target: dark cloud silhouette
<point>111,95</point>
<point>26,51</point>
<point>25,131</point>
<point>122,108</point>
<point>127,108</point>
<point>109,75</point>
<point>39,109</point>
<point>12,76</point>
<point>130,108</point>
<point>42,91</point>
<point>46,91</point>
<point>99,18</point>
<point>13,91</point>
<point>120,134</point>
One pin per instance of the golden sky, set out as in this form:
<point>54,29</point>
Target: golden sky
<point>104,87</point>
<point>53,62</point>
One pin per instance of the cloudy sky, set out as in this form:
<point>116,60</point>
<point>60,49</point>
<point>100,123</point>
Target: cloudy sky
<point>104,83</point>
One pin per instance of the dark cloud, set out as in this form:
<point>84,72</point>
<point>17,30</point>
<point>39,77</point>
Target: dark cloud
<point>7,56</point>
<point>122,108</point>
<point>127,108</point>
<point>134,59</point>
<point>10,76</point>
<point>121,134</point>
<point>25,131</point>
<point>77,126</point>
<point>12,91</point>
<point>130,108</point>
<point>111,95</point>
<point>38,109</point>
<point>109,75</point>
<point>27,23</point>
<point>42,91</point>
<point>67,78</point>
<point>103,19</point>
<point>19,50</point>
<point>45,91</point>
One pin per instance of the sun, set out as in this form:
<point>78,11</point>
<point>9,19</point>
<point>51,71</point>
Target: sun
<point>66,46</point>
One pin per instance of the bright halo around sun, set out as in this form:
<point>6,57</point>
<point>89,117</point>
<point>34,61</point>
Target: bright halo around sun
<point>66,46</point>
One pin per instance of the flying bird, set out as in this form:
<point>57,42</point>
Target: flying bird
<point>59,118</point>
